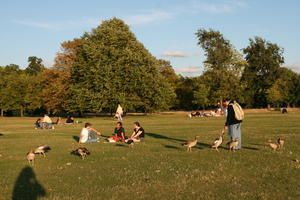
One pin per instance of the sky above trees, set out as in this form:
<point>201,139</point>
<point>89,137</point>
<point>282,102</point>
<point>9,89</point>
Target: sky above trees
<point>166,27</point>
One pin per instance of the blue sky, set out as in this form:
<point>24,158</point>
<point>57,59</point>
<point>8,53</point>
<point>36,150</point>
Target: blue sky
<point>166,27</point>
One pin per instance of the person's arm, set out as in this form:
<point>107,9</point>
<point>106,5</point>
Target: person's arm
<point>138,134</point>
<point>132,135</point>
<point>80,138</point>
<point>97,132</point>
<point>123,137</point>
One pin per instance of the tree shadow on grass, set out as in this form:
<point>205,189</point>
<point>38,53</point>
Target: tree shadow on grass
<point>158,136</point>
<point>27,186</point>
<point>171,147</point>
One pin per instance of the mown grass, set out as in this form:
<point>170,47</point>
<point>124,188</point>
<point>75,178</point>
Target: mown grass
<point>159,168</point>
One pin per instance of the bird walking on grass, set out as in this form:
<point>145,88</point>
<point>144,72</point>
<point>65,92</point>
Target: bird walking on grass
<point>190,144</point>
<point>233,144</point>
<point>218,141</point>
<point>30,157</point>
<point>82,152</point>
<point>42,150</point>
<point>280,142</point>
<point>272,145</point>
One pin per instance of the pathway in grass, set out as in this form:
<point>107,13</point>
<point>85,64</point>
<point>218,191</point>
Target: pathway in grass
<point>159,168</point>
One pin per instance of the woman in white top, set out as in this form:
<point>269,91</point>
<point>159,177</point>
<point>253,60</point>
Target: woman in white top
<point>87,134</point>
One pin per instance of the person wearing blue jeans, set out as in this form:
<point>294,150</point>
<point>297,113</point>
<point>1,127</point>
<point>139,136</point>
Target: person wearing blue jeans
<point>87,134</point>
<point>232,124</point>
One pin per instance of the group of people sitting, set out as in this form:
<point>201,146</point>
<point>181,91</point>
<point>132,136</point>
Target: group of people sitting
<point>215,113</point>
<point>46,122</point>
<point>87,134</point>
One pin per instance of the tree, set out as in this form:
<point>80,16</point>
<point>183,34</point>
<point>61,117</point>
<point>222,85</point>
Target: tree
<point>113,65</point>
<point>167,71</point>
<point>264,59</point>
<point>35,65</point>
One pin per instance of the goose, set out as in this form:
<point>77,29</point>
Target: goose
<point>272,145</point>
<point>190,144</point>
<point>42,149</point>
<point>30,157</point>
<point>218,141</point>
<point>233,144</point>
<point>82,152</point>
<point>280,142</point>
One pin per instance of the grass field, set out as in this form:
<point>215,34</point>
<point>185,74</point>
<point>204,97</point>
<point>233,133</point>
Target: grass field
<point>159,168</point>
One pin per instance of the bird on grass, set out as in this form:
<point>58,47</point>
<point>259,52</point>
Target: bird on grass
<point>233,144</point>
<point>30,157</point>
<point>280,142</point>
<point>82,152</point>
<point>42,149</point>
<point>218,141</point>
<point>190,144</point>
<point>272,145</point>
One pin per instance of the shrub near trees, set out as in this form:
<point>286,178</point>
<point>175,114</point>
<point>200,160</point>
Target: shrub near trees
<point>109,66</point>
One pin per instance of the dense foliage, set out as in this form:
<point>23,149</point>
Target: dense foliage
<point>109,66</point>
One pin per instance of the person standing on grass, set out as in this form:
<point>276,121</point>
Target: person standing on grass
<point>87,134</point>
<point>232,124</point>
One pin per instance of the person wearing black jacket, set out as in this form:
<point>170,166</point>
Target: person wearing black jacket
<point>232,124</point>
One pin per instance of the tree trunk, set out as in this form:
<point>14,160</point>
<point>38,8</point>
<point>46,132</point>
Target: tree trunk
<point>22,111</point>
<point>2,112</point>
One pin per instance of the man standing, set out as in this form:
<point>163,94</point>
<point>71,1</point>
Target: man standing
<point>232,124</point>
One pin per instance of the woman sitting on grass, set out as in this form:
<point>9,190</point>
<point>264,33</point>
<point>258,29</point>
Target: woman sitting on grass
<point>87,134</point>
<point>38,124</point>
<point>138,134</point>
<point>119,133</point>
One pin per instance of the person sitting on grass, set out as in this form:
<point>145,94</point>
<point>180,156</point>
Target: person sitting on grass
<point>87,134</point>
<point>119,133</point>
<point>47,122</point>
<point>138,134</point>
<point>60,121</point>
<point>70,120</point>
<point>38,124</point>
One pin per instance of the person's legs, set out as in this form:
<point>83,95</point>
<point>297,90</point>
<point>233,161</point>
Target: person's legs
<point>235,132</point>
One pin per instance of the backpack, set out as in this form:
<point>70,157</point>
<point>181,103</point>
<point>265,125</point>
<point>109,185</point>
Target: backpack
<point>238,111</point>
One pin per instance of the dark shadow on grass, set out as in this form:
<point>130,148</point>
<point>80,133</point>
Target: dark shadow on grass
<point>158,136</point>
<point>120,145</point>
<point>76,138</point>
<point>27,186</point>
<point>1,134</point>
<point>250,148</point>
<point>171,147</point>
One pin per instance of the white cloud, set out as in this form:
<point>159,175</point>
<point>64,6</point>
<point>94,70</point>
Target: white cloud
<point>225,6</point>
<point>151,17</point>
<point>39,24</point>
<point>189,70</point>
<point>174,54</point>
<point>295,67</point>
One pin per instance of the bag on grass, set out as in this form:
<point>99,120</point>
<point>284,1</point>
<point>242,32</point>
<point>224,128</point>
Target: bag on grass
<point>238,111</point>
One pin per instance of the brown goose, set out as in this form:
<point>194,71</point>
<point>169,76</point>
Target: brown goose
<point>190,144</point>
<point>42,150</point>
<point>272,145</point>
<point>233,144</point>
<point>30,157</point>
<point>82,152</point>
<point>280,142</point>
<point>218,141</point>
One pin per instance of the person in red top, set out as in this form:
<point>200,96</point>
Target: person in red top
<point>119,133</point>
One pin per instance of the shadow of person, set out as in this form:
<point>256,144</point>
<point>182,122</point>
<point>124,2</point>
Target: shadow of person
<point>158,136</point>
<point>27,186</point>
<point>76,138</point>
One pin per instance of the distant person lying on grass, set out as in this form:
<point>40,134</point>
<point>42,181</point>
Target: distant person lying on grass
<point>119,133</point>
<point>88,134</point>
<point>60,121</point>
<point>138,134</point>
<point>38,124</point>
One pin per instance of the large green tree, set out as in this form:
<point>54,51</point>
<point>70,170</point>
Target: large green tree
<point>264,59</point>
<point>35,65</point>
<point>113,67</point>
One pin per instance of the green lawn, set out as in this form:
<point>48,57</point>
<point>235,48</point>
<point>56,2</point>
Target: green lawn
<point>159,168</point>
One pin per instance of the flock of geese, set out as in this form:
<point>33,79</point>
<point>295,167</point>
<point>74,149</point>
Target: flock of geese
<point>83,151</point>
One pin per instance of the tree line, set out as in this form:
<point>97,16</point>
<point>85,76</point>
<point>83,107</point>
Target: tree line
<point>109,66</point>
